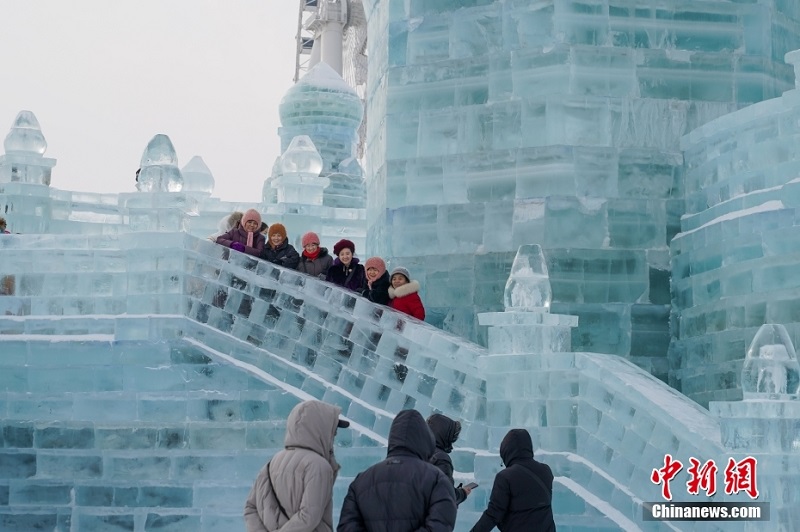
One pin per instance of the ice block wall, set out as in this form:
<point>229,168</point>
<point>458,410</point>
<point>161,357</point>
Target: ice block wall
<point>494,124</point>
<point>736,258</point>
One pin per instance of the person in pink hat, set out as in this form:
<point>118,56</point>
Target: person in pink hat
<point>245,237</point>
<point>314,260</point>
<point>378,281</point>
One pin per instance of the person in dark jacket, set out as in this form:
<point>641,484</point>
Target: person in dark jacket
<point>405,492</point>
<point>314,260</point>
<point>522,493</point>
<point>278,249</point>
<point>445,433</point>
<point>378,282</point>
<point>345,270</point>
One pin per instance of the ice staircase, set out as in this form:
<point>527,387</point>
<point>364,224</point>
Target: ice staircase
<point>146,378</point>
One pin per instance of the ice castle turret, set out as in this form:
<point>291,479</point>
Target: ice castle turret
<point>496,124</point>
<point>24,160</point>
<point>325,108</point>
<point>197,177</point>
<point>158,170</point>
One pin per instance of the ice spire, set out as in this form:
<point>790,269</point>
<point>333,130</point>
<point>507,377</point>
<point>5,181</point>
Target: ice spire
<point>299,181</point>
<point>528,286</point>
<point>770,368</point>
<point>159,170</point>
<point>197,177</point>
<point>25,136</point>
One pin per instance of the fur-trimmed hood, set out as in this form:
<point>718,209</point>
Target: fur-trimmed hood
<point>409,288</point>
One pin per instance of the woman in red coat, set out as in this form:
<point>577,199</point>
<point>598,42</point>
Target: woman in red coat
<point>404,294</point>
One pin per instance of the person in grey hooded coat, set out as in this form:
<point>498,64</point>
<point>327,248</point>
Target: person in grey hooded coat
<point>294,491</point>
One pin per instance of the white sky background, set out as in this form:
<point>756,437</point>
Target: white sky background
<point>104,76</point>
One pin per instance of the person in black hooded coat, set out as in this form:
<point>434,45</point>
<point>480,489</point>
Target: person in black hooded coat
<point>445,433</point>
<point>404,492</point>
<point>522,493</point>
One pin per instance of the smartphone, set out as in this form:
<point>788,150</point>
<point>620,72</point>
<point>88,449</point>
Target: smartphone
<point>471,485</point>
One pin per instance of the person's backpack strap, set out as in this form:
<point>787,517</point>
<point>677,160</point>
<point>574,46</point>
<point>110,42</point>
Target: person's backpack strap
<point>542,484</point>
<point>275,493</point>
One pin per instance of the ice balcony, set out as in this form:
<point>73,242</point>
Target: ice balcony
<point>145,379</point>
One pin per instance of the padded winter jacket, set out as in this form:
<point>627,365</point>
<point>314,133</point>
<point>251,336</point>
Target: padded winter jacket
<point>338,273</point>
<point>405,492</point>
<point>379,292</point>
<point>445,433</point>
<point>317,267</point>
<point>519,503</point>
<point>406,299</point>
<point>302,475</point>
<point>238,234</point>
<point>284,255</point>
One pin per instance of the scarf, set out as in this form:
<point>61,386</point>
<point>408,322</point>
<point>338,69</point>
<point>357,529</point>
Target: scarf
<point>250,239</point>
<point>311,256</point>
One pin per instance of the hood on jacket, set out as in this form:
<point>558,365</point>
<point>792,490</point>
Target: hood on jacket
<point>445,431</point>
<point>404,290</point>
<point>312,425</point>
<point>516,445</point>
<point>409,433</point>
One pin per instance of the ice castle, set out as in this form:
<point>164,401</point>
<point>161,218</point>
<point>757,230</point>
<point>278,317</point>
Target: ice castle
<point>601,193</point>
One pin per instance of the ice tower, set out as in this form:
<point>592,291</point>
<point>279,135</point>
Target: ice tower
<point>494,124</point>
<point>325,108</point>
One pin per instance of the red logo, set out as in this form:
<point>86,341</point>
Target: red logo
<point>741,476</point>
<point>665,474</point>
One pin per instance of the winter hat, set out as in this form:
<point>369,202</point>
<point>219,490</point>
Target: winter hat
<point>277,229</point>
<point>402,271</point>
<point>310,238</point>
<point>251,214</point>
<point>377,263</point>
<point>342,244</point>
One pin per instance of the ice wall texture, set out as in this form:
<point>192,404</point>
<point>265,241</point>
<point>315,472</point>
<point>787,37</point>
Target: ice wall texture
<point>736,258</point>
<point>500,123</point>
<point>177,361</point>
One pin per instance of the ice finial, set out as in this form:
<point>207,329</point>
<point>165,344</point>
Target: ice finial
<point>197,177</point>
<point>301,158</point>
<point>25,136</point>
<point>528,286</point>
<point>159,167</point>
<point>770,368</point>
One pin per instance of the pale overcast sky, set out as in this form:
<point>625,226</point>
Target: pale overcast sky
<point>103,77</point>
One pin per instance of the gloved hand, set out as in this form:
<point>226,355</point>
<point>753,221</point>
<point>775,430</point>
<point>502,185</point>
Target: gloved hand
<point>238,246</point>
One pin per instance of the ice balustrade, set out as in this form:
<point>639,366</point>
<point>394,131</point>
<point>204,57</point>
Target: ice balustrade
<point>601,421</point>
<point>734,260</point>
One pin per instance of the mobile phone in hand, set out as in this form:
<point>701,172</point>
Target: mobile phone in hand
<point>471,486</point>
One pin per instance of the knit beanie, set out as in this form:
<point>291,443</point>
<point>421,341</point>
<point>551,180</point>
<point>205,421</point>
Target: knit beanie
<point>402,271</point>
<point>342,244</point>
<point>277,229</point>
<point>377,263</point>
<point>251,214</point>
<point>310,238</point>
